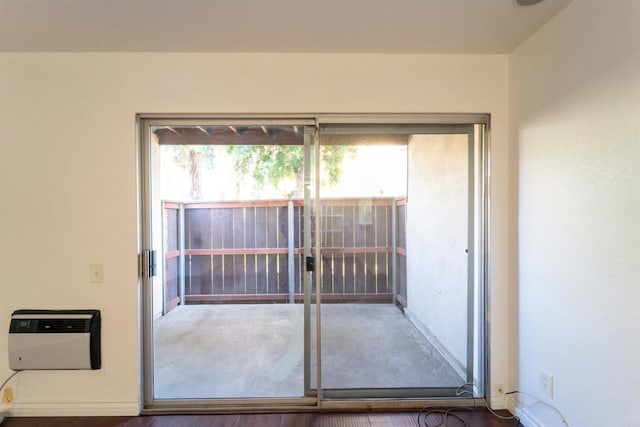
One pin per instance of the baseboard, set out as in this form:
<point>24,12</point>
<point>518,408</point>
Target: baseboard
<point>500,403</point>
<point>76,409</point>
<point>526,418</point>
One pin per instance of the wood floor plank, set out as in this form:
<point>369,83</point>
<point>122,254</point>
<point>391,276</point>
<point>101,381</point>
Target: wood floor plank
<point>400,420</point>
<point>473,418</point>
<point>225,421</point>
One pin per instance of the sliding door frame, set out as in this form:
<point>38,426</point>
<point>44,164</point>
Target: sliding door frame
<point>429,397</point>
<point>358,125</point>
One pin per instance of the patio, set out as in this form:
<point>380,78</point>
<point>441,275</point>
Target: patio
<point>256,350</point>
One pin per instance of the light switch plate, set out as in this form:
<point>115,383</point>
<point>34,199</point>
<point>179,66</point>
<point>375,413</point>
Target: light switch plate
<point>96,273</point>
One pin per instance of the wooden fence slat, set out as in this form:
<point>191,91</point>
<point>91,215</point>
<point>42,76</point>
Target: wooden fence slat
<point>359,273</point>
<point>327,276</point>
<point>380,227</point>
<point>226,219</point>
<point>272,274</point>
<point>261,227</point>
<point>217,225</point>
<point>217,277</point>
<point>382,276</point>
<point>349,226</point>
<point>370,279</point>
<point>250,227</point>
<point>338,274</point>
<point>227,275</point>
<point>250,267</point>
<point>239,227</point>
<point>261,274</point>
<point>389,226</point>
<point>283,274</point>
<point>171,238</point>
<point>171,296</point>
<point>370,233</point>
<point>349,274</point>
<point>360,228</point>
<point>272,227</point>
<point>238,280</point>
<point>283,227</point>
<point>172,272</point>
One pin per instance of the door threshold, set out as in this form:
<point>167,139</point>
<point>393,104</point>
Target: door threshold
<point>249,406</point>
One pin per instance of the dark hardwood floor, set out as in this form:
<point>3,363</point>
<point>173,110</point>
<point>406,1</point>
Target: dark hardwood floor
<point>475,418</point>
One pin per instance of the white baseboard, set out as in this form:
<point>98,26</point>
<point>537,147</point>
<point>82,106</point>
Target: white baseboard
<point>75,409</point>
<point>526,418</point>
<point>500,403</point>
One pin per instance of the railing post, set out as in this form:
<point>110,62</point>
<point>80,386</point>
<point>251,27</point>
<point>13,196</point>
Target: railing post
<point>394,249</point>
<point>181,257</point>
<point>291,247</point>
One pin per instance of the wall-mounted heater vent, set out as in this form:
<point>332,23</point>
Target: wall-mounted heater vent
<point>54,339</point>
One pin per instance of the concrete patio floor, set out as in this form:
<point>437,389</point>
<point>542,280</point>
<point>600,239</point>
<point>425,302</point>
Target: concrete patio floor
<point>256,350</point>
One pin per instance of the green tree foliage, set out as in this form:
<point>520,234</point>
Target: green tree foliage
<point>273,163</point>
<point>265,164</point>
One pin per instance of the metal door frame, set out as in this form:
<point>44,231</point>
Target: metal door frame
<point>339,400</point>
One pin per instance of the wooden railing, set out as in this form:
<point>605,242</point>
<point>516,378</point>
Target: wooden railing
<point>240,251</point>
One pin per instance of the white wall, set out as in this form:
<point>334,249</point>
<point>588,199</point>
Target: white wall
<point>575,103</point>
<point>437,237</point>
<point>68,175</point>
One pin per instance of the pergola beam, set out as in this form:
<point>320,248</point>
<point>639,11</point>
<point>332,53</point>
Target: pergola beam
<point>227,135</point>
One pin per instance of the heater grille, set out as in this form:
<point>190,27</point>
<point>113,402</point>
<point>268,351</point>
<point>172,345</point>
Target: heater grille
<point>62,325</point>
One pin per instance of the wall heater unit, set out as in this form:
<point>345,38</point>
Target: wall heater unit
<point>54,339</point>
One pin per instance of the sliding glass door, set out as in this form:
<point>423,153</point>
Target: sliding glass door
<point>291,261</point>
<point>228,305</point>
<point>398,246</point>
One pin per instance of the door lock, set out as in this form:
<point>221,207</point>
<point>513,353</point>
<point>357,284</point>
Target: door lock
<point>310,263</point>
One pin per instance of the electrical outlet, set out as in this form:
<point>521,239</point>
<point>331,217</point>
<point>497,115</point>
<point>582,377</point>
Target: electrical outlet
<point>546,382</point>
<point>7,396</point>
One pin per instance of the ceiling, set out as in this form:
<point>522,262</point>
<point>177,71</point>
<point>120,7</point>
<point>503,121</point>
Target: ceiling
<point>350,26</point>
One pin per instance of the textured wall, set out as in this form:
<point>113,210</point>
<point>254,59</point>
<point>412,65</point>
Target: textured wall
<point>68,174</point>
<point>575,103</point>
<point>437,231</point>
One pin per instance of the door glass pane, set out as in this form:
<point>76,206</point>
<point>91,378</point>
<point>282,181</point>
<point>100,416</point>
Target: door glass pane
<point>397,302</point>
<point>228,208</point>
